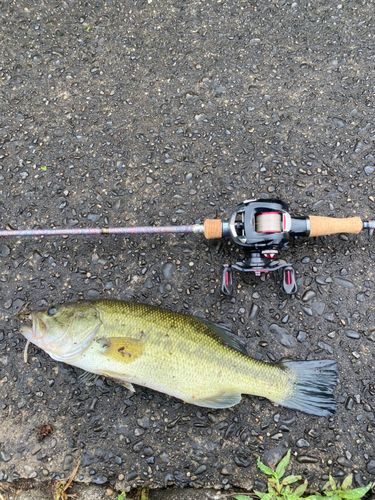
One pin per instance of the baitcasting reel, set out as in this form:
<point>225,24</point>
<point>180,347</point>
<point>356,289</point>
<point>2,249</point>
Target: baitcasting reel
<point>261,228</point>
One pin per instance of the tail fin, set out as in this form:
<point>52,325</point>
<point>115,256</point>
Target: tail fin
<point>315,381</point>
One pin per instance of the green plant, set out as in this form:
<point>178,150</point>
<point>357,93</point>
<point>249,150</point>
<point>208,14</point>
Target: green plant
<point>280,489</point>
<point>142,494</point>
<point>61,487</point>
<point>343,491</point>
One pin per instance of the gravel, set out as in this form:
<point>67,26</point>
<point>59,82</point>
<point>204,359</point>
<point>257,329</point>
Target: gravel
<point>163,113</point>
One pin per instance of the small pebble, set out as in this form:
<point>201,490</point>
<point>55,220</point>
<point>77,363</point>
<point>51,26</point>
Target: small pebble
<point>306,459</point>
<point>200,470</point>
<point>343,462</point>
<point>371,467</point>
<point>282,336</point>
<point>302,443</point>
<point>4,251</point>
<point>164,457</point>
<point>92,294</point>
<point>100,480</point>
<point>352,334</point>
<point>301,337</point>
<point>68,462</point>
<point>319,307</point>
<point>5,457</point>
<point>35,449</point>
<point>307,310</point>
<point>167,271</point>
<point>137,447</point>
<point>144,422</point>
<point>344,283</point>
<point>254,311</point>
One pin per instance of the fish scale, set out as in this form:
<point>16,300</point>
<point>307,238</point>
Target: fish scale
<point>184,356</point>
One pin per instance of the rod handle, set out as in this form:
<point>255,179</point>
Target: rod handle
<point>323,226</point>
<point>213,228</point>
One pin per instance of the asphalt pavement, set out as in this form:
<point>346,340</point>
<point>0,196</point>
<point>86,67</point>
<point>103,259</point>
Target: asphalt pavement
<point>137,113</point>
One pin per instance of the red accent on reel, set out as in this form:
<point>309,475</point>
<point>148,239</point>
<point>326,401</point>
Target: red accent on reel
<point>288,277</point>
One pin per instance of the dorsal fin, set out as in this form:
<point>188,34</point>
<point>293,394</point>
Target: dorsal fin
<point>226,336</point>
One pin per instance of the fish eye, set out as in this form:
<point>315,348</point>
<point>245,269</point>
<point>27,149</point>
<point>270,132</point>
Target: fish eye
<point>52,311</point>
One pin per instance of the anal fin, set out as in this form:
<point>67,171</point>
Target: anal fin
<point>222,400</point>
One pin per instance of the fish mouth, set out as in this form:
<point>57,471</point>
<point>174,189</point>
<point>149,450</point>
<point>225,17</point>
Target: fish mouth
<point>37,330</point>
<point>26,330</point>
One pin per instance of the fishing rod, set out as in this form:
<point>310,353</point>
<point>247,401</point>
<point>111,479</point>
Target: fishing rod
<point>260,228</point>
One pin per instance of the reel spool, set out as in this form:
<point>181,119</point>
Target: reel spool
<point>268,222</point>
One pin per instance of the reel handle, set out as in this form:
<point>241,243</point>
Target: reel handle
<point>323,226</point>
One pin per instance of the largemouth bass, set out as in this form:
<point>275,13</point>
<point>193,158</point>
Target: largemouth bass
<point>190,358</point>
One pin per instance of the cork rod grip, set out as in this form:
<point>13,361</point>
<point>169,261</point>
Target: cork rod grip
<point>323,226</point>
<point>213,229</point>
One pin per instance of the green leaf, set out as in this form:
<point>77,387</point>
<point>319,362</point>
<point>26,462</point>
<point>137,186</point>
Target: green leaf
<point>259,493</point>
<point>271,489</point>
<point>241,497</point>
<point>44,168</point>
<point>265,469</point>
<point>286,490</point>
<point>301,489</point>
<point>346,484</point>
<point>280,469</point>
<point>267,496</point>
<point>356,493</point>
<point>122,496</point>
<point>289,496</point>
<point>263,496</point>
<point>332,483</point>
<point>326,486</point>
<point>291,479</point>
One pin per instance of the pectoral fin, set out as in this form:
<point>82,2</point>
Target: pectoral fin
<point>222,400</point>
<point>122,349</point>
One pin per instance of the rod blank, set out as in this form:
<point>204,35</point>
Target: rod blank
<point>97,230</point>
